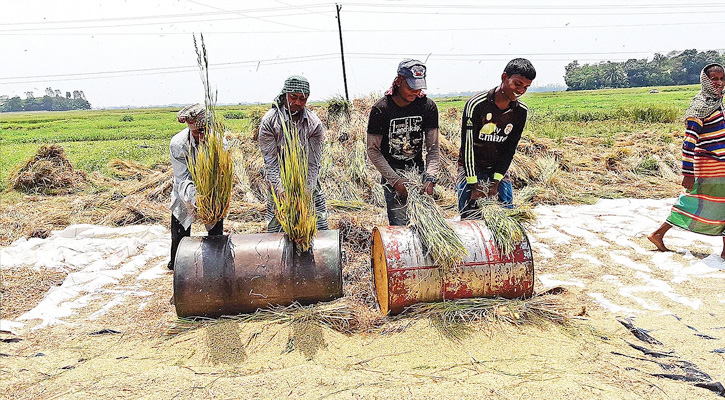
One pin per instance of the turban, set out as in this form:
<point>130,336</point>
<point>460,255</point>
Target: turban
<point>194,114</point>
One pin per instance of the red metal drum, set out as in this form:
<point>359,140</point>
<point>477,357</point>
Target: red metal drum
<point>404,275</point>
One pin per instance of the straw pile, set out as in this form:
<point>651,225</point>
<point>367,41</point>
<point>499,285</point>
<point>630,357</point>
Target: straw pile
<point>212,168</point>
<point>457,318</point>
<point>128,169</point>
<point>47,172</point>
<point>135,210</point>
<point>347,176</point>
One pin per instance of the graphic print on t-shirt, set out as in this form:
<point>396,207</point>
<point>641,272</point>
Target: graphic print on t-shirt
<point>406,137</point>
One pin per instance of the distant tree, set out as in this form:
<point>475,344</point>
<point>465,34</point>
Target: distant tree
<point>675,68</point>
<point>51,101</point>
<point>13,104</point>
<point>613,75</point>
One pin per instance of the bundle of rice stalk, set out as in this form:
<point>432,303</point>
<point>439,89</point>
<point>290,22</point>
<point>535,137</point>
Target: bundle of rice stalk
<point>439,239</point>
<point>295,210</point>
<point>506,224</point>
<point>347,205</point>
<point>212,168</point>
<point>456,317</point>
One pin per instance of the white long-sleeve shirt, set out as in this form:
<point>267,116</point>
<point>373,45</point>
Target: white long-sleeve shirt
<point>183,194</point>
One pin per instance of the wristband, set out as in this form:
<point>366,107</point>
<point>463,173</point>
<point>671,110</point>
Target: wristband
<point>497,177</point>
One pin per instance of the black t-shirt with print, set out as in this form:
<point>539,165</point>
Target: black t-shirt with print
<point>403,130</point>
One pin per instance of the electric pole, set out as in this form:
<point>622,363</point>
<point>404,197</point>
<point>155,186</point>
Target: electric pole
<point>342,51</point>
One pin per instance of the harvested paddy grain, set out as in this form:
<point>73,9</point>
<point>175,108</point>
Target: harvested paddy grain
<point>21,289</point>
<point>224,343</point>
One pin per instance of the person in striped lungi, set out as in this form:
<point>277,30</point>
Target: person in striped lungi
<point>701,209</point>
<point>291,105</point>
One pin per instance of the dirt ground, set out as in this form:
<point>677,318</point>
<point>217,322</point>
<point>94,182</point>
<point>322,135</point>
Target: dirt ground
<point>137,349</point>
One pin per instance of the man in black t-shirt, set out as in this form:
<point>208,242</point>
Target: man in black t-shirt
<point>490,131</point>
<point>399,124</point>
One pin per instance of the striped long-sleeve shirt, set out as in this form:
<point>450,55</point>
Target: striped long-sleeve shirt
<point>703,150</point>
<point>489,135</point>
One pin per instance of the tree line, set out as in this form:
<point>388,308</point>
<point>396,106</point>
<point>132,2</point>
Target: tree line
<point>675,68</point>
<point>53,100</point>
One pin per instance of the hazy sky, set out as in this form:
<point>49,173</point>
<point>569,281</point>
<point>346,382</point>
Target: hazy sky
<point>141,52</point>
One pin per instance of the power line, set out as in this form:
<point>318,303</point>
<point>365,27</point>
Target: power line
<point>409,6</point>
<point>151,24</point>
<point>245,15</point>
<point>428,30</point>
<point>410,9</point>
<point>311,58</point>
<point>141,71</point>
<point>518,12</point>
<point>187,15</point>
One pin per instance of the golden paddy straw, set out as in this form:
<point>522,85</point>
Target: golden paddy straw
<point>212,169</point>
<point>295,210</point>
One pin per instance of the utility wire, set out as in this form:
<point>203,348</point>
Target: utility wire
<point>410,6</point>
<point>427,30</point>
<point>306,58</point>
<point>248,16</point>
<point>186,15</point>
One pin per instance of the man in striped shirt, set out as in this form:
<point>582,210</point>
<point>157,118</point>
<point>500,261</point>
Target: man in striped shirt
<point>490,131</point>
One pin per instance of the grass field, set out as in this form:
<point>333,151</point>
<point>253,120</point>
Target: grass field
<point>92,138</point>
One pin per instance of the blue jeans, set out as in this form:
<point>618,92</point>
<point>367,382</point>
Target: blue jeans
<point>464,190</point>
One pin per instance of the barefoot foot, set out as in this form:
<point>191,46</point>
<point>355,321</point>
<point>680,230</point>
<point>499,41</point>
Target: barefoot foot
<point>657,240</point>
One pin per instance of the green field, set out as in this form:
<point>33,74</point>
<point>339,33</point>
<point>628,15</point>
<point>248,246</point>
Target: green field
<point>92,138</point>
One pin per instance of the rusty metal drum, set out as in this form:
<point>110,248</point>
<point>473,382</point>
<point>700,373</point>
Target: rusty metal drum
<point>404,275</point>
<point>235,274</point>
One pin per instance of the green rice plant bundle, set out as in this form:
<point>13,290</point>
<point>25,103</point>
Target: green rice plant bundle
<point>506,224</point>
<point>295,210</point>
<point>212,168</point>
<point>438,237</point>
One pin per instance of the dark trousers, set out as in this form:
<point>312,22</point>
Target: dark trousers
<point>178,232</point>
<point>397,210</point>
